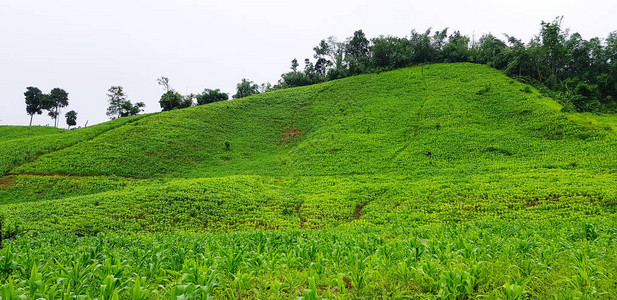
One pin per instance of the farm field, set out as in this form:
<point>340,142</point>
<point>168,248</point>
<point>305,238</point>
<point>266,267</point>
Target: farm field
<point>450,181</point>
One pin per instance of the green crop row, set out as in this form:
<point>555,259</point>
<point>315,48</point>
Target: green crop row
<point>499,260</point>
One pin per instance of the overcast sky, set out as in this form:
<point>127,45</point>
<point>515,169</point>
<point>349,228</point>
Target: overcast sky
<point>85,47</point>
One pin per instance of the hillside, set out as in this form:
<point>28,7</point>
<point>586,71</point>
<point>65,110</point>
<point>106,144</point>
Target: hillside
<point>457,153</point>
<point>322,155</point>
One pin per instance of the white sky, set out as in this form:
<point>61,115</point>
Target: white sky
<point>85,47</point>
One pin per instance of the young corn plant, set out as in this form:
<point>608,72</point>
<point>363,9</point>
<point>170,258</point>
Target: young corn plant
<point>138,292</point>
<point>513,291</point>
<point>455,284</point>
<point>311,292</point>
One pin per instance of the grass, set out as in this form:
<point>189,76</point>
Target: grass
<point>453,183</point>
<point>15,132</point>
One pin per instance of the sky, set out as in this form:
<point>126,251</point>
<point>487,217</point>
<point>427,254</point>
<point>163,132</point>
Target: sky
<point>85,47</point>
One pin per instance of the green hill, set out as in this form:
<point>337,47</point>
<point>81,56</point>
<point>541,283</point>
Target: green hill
<point>403,153</point>
<point>323,155</point>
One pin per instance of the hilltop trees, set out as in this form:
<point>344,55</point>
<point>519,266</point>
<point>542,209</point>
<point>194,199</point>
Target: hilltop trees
<point>209,96</point>
<point>71,118</point>
<point>246,88</point>
<point>57,99</point>
<point>312,74</point>
<point>172,99</point>
<point>34,102</point>
<point>490,51</point>
<point>581,73</point>
<point>120,106</point>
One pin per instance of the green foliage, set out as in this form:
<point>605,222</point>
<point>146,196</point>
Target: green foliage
<point>580,73</point>
<point>57,99</point>
<point>34,101</point>
<point>71,118</point>
<point>503,260</point>
<point>172,100</point>
<point>119,106</point>
<point>210,96</point>
<point>403,184</point>
<point>246,88</point>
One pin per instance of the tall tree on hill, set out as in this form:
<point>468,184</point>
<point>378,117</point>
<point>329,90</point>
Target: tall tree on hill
<point>246,88</point>
<point>71,118</point>
<point>422,50</point>
<point>120,106</point>
<point>520,62</point>
<point>358,45</point>
<point>35,102</point>
<point>57,99</point>
<point>357,53</point>
<point>115,97</point>
<point>553,41</point>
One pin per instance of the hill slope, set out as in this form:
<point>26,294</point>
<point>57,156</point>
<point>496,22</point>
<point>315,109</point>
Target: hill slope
<point>452,182</point>
<point>459,140</point>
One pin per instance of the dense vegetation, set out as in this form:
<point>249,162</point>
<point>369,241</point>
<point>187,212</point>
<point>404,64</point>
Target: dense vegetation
<point>580,73</point>
<point>447,181</point>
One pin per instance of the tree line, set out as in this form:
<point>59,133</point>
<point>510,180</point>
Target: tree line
<point>580,73</point>
<point>171,99</point>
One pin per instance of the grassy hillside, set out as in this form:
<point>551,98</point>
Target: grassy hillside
<point>25,145</point>
<point>379,146</point>
<point>16,132</point>
<point>469,117</point>
<point>468,171</point>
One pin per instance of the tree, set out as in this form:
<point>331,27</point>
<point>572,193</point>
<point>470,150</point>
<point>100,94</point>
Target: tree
<point>520,62</point>
<point>245,89</point>
<point>187,100</point>
<point>312,74</point>
<point>129,109</point>
<point>423,51</point>
<point>294,65</point>
<point>57,98</point>
<point>457,48</point>
<point>332,50</point>
<point>553,46</point>
<point>357,53</point>
<point>35,102</point>
<point>71,118</point>
<point>120,106</point>
<point>209,96</point>
<point>116,99</point>
<point>391,52</point>
<point>358,45</point>
<point>490,51</point>
<point>164,82</point>
<point>172,100</point>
